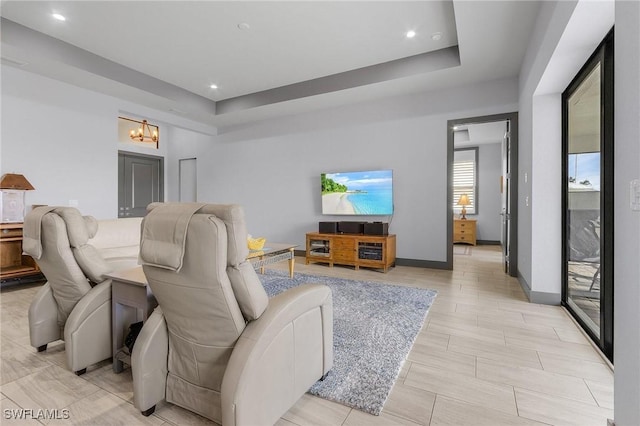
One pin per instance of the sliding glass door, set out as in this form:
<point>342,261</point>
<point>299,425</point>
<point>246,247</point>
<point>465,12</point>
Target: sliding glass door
<point>588,197</point>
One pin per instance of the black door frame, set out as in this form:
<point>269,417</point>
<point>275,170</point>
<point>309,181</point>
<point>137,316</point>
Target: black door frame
<point>512,118</point>
<point>603,54</point>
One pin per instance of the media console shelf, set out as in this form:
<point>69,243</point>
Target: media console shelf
<point>357,250</point>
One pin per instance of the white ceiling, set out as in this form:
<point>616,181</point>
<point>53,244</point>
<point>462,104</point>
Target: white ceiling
<point>477,134</point>
<point>332,52</point>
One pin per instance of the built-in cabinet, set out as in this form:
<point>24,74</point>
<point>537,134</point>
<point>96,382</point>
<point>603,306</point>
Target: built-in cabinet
<point>14,264</point>
<point>369,251</point>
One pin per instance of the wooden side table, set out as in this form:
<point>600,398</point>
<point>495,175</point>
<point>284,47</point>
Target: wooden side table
<point>14,264</point>
<point>464,231</point>
<point>131,301</point>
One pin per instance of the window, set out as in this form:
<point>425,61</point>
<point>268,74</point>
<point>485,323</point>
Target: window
<point>465,179</point>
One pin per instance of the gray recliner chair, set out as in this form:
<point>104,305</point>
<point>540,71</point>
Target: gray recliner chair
<point>75,303</point>
<point>216,344</point>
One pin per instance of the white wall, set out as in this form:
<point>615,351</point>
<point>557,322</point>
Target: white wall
<point>489,200</point>
<point>546,196</point>
<point>627,222</point>
<point>64,140</point>
<point>627,168</point>
<point>566,34</point>
<point>273,169</point>
<point>184,144</point>
<point>550,25</point>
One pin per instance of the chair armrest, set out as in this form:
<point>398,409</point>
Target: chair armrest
<point>87,332</point>
<point>43,318</point>
<point>279,356</point>
<point>149,362</point>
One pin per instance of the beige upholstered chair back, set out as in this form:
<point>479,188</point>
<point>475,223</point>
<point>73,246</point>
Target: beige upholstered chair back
<point>193,256</point>
<point>216,344</point>
<point>57,238</point>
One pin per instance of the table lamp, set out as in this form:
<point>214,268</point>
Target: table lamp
<point>463,201</point>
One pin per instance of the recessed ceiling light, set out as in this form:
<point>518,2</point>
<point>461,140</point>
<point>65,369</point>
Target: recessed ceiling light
<point>58,17</point>
<point>244,26</point>
<point>214,86</point>
<point>436,36</point>
<point>411,34</point>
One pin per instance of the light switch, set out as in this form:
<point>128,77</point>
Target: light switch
<point>526,178</point>
<point>634,194</point>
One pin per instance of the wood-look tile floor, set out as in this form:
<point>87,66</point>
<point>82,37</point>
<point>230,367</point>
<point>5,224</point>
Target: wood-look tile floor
<point>485,356</point>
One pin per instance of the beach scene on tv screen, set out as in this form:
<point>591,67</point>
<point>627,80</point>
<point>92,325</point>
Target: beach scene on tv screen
<point>358,193</point>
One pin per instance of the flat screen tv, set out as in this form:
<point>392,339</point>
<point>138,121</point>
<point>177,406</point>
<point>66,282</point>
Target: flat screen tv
<point>357,193</point>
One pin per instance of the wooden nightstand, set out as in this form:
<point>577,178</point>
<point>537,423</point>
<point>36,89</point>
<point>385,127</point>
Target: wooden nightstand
<point>464,231</point>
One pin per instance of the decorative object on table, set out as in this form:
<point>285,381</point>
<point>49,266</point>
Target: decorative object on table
<point>464,202</point>
<point>375,326</point>
<point>256,243</point>
<point>12,193</point>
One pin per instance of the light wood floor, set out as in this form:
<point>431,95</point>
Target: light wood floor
<point>485,356</point>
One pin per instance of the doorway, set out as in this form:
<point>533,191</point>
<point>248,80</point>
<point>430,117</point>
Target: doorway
<point>140,182</point>
<point>587,197</point>
<point>188,180</point>
<point>502,212</point>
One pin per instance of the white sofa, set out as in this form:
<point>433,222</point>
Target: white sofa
<point>118,241</point>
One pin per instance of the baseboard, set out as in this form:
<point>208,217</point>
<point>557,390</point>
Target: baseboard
<point>524,284</point>
<point>31,279</point>
<point>539,297</point>
<point>488,243</point>
<point>431,264</point>
<point>545,298</point>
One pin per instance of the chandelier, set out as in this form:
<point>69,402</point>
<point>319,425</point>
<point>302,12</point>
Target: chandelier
<point>144,133</point>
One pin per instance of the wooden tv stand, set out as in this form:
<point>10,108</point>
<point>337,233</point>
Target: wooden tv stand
<point>369,251</point>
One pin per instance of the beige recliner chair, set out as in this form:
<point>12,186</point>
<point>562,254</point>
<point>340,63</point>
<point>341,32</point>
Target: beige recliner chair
<point>75,303</point>
<point>216,344</point>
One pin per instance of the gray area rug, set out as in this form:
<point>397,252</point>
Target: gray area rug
<point>375,326</point>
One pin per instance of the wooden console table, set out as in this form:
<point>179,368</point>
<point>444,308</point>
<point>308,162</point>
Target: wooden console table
<point>14,264</point>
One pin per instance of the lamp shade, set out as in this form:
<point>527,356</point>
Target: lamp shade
<point>464,200</point>
<point>15,181</point>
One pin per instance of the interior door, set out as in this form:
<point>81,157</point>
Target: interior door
<point>140,182</point>
<point>188,180</point>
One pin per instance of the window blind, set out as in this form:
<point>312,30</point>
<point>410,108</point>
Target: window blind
<point>464,182</point>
